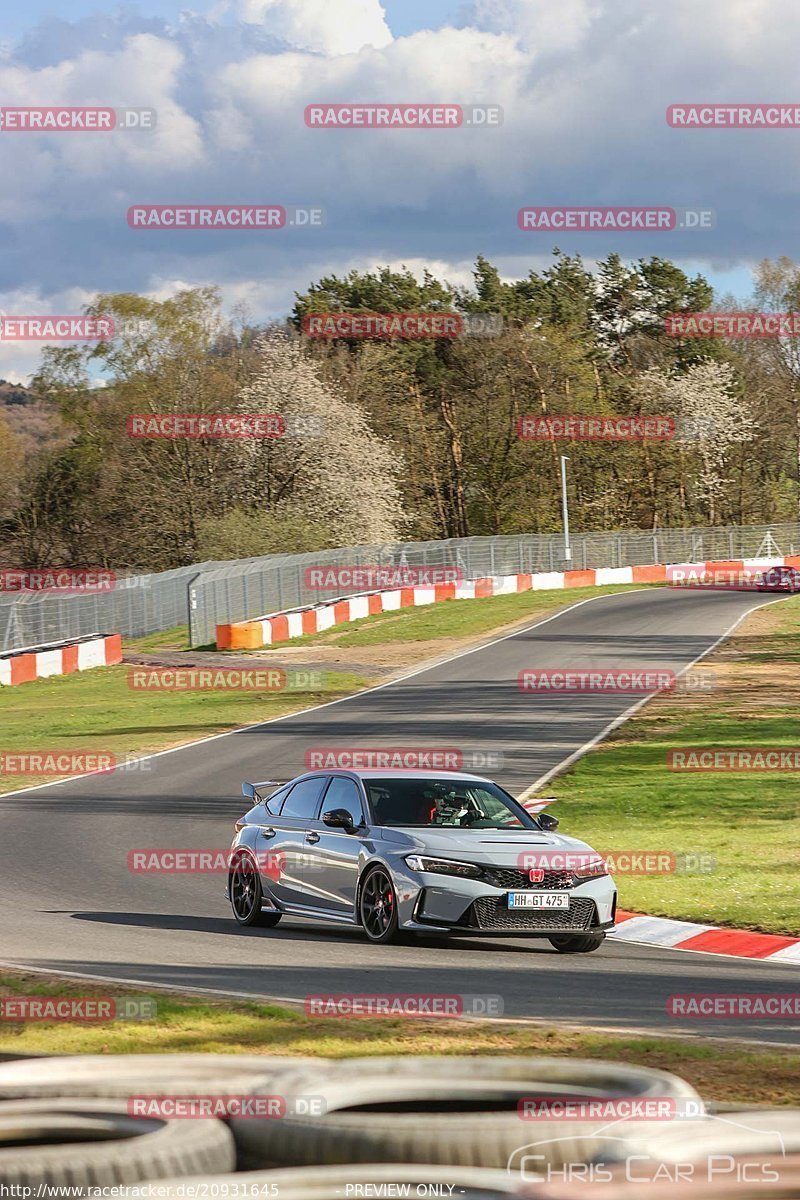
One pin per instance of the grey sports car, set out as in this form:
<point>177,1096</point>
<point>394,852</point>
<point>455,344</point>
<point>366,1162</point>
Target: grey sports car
<point>421,852</point>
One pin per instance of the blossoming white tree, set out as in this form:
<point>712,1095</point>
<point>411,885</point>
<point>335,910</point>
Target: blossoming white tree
<point>330,468</point>
<point>713,418</point>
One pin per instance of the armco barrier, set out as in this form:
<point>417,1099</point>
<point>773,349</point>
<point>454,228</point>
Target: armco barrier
<point>60,658</point>
<point>280,627</point>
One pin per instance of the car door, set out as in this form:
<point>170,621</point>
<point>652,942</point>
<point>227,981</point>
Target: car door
<point>329,869</point>
<point>266,842</point>
<point>299,807</point>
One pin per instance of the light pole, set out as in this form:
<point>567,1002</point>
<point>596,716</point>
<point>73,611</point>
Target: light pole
<point>565,507</point>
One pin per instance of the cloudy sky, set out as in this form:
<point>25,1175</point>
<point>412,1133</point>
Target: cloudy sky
<point>584,85</point>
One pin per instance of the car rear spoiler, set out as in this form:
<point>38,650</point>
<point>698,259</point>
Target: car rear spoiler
<point>253,790</point>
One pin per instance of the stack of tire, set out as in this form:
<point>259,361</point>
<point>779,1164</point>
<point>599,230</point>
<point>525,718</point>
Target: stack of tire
<point>425,1126</point>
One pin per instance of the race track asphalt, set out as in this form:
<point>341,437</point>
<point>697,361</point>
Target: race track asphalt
<point>70,904</point>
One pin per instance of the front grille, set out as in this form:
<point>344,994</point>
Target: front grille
<point>519,881</point>
<point>493,913</point>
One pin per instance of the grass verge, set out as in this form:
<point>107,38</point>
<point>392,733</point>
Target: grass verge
<point>96,711</point>
<point>719,1071</point>
<point>164,639</point>
<point>746,825</point>
<point>454,618</point>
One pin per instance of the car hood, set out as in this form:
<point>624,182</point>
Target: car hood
<point>496,846</point>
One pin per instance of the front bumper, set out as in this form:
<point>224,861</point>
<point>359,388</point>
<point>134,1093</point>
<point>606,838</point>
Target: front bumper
<point>443,904</point>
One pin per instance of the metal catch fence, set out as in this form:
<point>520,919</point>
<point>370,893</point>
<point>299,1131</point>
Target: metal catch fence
<point>206,594</point>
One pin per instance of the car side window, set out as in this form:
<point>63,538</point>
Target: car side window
<point>343,793</point>
<point>303,800</point>
<point>274,803</point>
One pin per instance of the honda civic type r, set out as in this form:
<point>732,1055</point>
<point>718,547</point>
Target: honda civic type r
<point>420,852</point>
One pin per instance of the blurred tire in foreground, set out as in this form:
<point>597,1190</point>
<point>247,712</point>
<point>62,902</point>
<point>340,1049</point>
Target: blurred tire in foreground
<point>124,1075</point>
<point>81,1143</point>
<point>457,1111</point>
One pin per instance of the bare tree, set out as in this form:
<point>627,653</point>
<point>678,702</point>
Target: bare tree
<point>778,290</point>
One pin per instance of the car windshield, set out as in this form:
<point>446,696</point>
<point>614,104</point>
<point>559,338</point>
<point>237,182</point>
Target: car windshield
<point>444,803</point>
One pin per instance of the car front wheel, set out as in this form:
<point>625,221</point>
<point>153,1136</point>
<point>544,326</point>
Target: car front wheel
<point>377,906</point>
<point>247,896</point>
<point>578,944</point>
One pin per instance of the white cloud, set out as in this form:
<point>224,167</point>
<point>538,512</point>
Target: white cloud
<point>56,170</point>
<point>325,26</point>
<point>541,25</point>
<point>584,85</point>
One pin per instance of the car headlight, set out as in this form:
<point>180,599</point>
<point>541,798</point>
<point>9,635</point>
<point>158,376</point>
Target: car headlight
<point>594,869</point>
<point>442,866</point>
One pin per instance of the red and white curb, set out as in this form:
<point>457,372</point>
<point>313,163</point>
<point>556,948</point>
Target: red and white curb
<point>316,618</point>
<point>708,939</point>
<point>60,658</point>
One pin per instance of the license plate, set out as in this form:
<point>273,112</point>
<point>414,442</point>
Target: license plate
<point>537,900</point>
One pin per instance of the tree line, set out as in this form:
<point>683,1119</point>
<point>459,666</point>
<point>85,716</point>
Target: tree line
<point>412,439</point>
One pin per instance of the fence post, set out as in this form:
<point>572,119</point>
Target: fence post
<point>191,611</point>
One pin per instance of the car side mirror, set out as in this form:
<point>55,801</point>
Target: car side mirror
<point>338,818</point>
<point>548,822</point>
